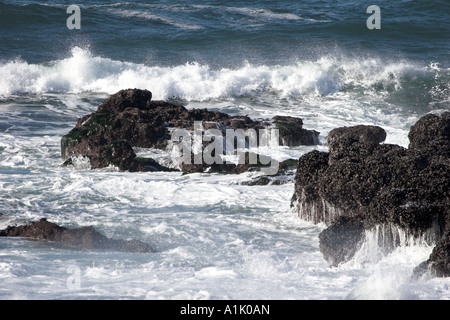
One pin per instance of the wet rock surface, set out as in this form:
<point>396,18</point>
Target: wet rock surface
<point>379,184</point>
<point>341,240</point>
<point>130,119</point>
<point>438,263</point>
<point>81,238</point>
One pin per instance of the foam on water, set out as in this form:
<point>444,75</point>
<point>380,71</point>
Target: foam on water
<point>153,17</point>
<point>390,277</point>
<point>215,238</point>
<point>263,13</point>
<point>212,235</point>
<point>328,92</point>
<point>194,81</point>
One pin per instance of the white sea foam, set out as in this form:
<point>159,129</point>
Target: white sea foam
<point>390,276</point>
<point>260,14</point>
<point>154,17</point>
<point>215,238</point>
<point>194,81</point>
<point>345,90</point>
<point>263,13</point>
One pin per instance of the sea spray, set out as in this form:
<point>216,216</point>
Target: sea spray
<point>324,76</point>
<point>316,210</point>
<point>383,239</point>
<point>216,237</point>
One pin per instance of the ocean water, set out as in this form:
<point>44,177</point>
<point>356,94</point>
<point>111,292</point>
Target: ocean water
<point>215,237</point>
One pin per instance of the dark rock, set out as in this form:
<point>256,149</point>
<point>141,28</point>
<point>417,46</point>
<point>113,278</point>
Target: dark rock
<point>131,98</point>
<point>231,168</point>
<point>148,164</point>
<point>292,133</point>
<point>381,184</point>
<point>354,141</point>
<point>440,258</point>
<point>83,238</point>
<point>261,181</point>
<point>262,163</point>
<point>360,133</point>
<point>341,240</point>
<point>286,171</point>
<point>130,119</point>
<point>438,264</point>
<point>306,198</point>
<point>102,152</point>
<point>432,130</point>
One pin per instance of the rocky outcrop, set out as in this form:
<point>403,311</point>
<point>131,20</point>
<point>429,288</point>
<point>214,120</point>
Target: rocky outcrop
<point>130,119</point>
<point>373,184</point>
<point>353,142</point>
<point>81,238</point>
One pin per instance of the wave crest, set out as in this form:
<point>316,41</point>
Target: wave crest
<point>84,72</point>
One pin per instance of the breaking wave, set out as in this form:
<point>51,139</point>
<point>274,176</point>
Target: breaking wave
<point>326,76</point>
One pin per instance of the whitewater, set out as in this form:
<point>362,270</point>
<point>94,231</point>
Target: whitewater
<point>215,237</point>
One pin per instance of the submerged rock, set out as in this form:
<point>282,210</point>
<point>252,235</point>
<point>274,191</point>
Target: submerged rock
<point>82,238</point>
<point>379,184</point>
<point>130,119</point>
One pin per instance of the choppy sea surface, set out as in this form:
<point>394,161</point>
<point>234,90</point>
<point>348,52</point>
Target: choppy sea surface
<point>215,237</point>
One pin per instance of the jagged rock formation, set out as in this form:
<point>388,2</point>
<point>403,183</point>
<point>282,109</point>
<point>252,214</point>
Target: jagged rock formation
<point>372,184</point>
<point>130,119</point>
<point>82,238</point>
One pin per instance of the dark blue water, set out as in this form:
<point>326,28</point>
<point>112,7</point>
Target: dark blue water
<point>225,33</point>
